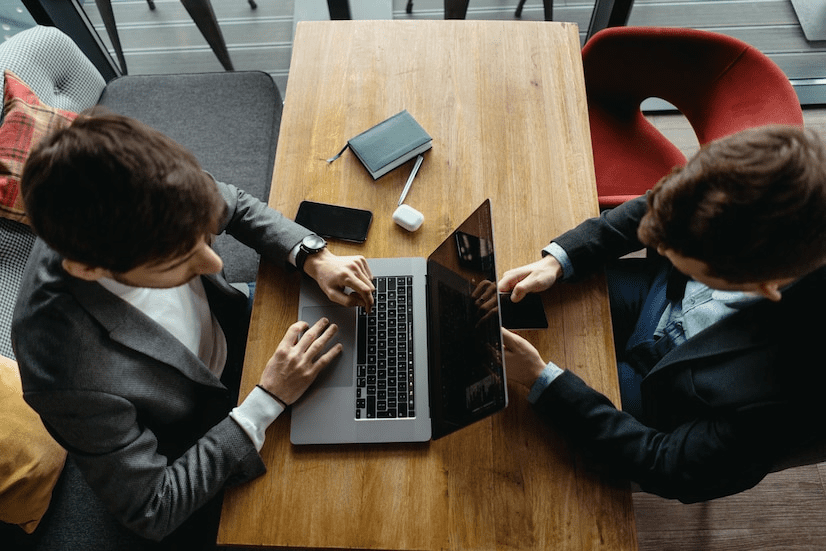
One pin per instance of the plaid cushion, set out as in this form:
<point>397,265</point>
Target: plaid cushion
<point>27,121</point>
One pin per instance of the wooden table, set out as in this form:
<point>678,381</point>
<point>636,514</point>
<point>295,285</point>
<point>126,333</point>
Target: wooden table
<point>505,105</point>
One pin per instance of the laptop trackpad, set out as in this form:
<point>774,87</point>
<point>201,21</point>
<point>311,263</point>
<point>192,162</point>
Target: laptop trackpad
<point>340,370</point>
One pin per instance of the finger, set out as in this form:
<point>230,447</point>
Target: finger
<point>510,340</point>
<point>484,290</point>
<point>507,337</point>
<point>365,300</point>
<point>312,334</point>
<point>294,332</point>
<point>344,299</point>
<point>315,343</point>
<point>528,285</point>
<point>354,299</point>
<point>517,294</point>
<point>325,359</point>
<point>364,269</point>
<point>364,291</point>
<point>485,317</point>
<point>511,278</point>
<point>321,358</point>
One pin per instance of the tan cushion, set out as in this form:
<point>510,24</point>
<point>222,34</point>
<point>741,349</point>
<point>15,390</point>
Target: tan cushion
<point>30,462</point>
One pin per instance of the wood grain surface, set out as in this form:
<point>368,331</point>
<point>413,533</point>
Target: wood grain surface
<point>505,105</point>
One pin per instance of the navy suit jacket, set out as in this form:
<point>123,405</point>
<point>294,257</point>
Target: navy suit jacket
<point>143,418</point>
<point>720,410</point>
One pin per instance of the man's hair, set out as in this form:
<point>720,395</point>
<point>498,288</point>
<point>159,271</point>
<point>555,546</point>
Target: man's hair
<point>752,206</point>
<point>114,193</point>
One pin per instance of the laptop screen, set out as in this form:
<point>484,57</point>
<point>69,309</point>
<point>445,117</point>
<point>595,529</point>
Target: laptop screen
<point>466,371</point>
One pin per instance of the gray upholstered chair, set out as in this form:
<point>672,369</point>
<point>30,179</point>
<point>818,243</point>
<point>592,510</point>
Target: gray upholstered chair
<point>230,121</point>
<point>61,76</point>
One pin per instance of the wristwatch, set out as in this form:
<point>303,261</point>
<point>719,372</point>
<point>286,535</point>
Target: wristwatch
<point>310,245</point>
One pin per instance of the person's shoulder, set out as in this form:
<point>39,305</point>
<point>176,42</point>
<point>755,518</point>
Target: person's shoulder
<point>46,306</point>
<point>44,275</point>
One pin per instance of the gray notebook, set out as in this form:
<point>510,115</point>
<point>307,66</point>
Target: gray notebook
<point>425,363</point>
<point>389,144</point>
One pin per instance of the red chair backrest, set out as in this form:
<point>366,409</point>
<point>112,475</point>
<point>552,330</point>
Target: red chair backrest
<point>721,84</point>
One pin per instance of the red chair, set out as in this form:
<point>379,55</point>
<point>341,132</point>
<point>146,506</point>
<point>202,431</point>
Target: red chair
<point>722,85</point>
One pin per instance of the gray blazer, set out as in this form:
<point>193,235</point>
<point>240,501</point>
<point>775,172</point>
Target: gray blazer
<point>144,419</point>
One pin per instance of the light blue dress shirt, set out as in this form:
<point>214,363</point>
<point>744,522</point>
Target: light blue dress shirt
<point>701,307</point>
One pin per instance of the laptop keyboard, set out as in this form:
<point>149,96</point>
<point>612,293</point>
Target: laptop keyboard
<point>384,364</point>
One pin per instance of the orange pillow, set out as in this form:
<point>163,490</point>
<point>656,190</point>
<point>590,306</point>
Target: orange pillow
<point>27,121</point>
<point>30,462</point>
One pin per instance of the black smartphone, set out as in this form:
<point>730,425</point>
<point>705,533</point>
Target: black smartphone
<point>528,313</point>
<point>335,221</point>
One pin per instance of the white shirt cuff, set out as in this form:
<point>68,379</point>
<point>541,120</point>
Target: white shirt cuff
<point>562,257</point>
<point>548,375</point>
<point>293,254</point>
<point>255,414</point>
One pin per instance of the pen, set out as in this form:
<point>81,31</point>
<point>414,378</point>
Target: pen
<point>410,179</point>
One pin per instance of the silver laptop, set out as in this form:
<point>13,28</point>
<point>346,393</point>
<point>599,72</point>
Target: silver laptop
<point>426,362</point>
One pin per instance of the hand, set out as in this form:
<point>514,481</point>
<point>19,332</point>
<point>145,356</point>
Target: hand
<point>531,278</point>
<point>334,274</point>
<point>524,364</point>
<point>486,300</point>
<point>299,359</point>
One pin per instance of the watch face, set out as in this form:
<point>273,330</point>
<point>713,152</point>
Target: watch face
<point>313,242</point>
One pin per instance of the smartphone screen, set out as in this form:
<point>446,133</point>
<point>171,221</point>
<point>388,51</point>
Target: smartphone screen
<point>528,313</point>
<point>335,221</point>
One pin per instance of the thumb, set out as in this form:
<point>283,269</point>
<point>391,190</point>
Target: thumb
<point>518,292</point>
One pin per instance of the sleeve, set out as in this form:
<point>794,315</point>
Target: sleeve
<point>599,240</point>
<point>255,224</point>
<point>255,414</point>
<point>149,493</point>
<point>548,375</point>
<point>699,460</point>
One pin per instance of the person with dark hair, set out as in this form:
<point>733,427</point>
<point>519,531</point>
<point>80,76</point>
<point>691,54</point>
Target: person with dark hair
<point>717,331</point>
<point>130,340</point>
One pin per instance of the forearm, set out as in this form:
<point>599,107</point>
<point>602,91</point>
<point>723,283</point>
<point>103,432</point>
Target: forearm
<point>150,483</point>
<point>258,226</point>
<point>599,240</point>
<point>696,461</point>
<point>153,498</point>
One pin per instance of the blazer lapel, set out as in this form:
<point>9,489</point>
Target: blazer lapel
<point>132,328</point>
<point>740,331</point>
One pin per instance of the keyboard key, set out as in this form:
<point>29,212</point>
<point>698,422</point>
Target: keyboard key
<point>361,341</point>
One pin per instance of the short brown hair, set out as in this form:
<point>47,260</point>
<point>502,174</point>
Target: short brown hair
<point>114,193</point>
<point>752,206</point>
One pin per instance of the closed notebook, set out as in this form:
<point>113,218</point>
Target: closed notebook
<point>389,144</point>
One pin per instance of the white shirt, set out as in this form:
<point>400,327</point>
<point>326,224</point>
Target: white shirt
<point>184,312</point>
